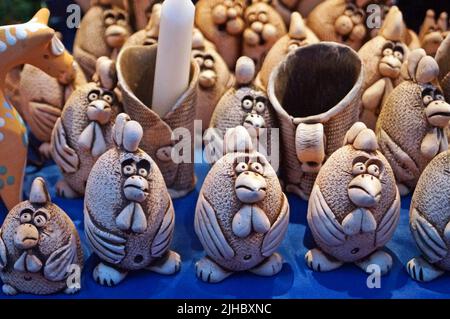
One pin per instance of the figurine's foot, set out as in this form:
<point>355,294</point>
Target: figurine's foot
<point>291,188</point>
<point>380,258</point>
<point>72,290</point>
<point>9,290</point>
<point>108,276</point>
<point>319,261</point>
<point>64,190</point>
<point>403,189</point>
<point>269,267</point>
<point>421,270</point>
<point>169,264</point>
<point>208,271</point>
<point>45,150</point>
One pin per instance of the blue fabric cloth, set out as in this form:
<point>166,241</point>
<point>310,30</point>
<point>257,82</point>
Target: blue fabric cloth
<point>294,281</point>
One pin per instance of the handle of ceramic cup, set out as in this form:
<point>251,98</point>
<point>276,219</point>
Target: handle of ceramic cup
<point>310,146</point>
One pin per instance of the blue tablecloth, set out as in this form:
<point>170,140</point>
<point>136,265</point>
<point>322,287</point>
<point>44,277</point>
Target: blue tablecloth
<point>294,281</point>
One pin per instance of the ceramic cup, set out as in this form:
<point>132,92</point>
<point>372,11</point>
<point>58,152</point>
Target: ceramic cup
<point>316,103</point>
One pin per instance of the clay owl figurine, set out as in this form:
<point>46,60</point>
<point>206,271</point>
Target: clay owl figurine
<point>102,32</point>
<point>429,220</point>
<point>299,35</point>
<point>382,57</point>
<point>83,132</point>
<point>128,214</point>
<point>39,247</point>
<point>242,214</point>
<point>433,31</point>
<point>244,104</point>
<point>354,206</point>
<point>413,123</point>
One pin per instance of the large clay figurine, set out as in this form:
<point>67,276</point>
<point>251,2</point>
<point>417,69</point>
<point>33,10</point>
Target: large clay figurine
<point>39,247</point>
<point>433,31</point>
<point>36,44</point>
<point>413,123</point>
<point>128,214</point>
<point>429,220</point>
<point>354,207</point>
<point>242,214</point>
<point>83,132</point>
<point>382,57</point>
<point>102,32</point>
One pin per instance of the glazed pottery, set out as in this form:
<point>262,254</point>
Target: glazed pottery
<point>33,43</point>
<point>102,32</point>
<point>83,132</point>
<point>429,220</point>
<point>413,123</point>
<point>40,250</point>
<point>316,103</point>
<point>382,57</point>
<point>433,31</point>
<point>299,35</point>
<point>354,207</point>
<point>128,214</point>
<point>135,69</point>
<point>241,215</point>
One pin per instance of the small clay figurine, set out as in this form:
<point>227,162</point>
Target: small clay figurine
<point>382,57</point>
<point>354,207</point>
<point>37,44</point>
<point>286,7</point>
<point>429,220</point>
<point>149,34</point>
<point>83,132</point>
<point>102,32</point>
<point>413,123</point>
<point>242,214</point>
<point>128,214</point>
<point>443,60</point>
<point>299,35</point>
<point>433,31</point>
<point>39,247</point>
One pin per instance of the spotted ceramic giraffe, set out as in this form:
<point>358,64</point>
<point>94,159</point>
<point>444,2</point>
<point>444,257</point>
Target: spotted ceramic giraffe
<point>33,43</point>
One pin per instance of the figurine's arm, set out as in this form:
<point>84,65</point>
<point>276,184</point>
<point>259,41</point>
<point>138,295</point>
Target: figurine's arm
<point>275,235</point>
<point>373,95</point>
<point>163,237</point>
<point>209,232</point>
<point>62,153</point>
<point>57,265</point>
<point>3,259</point>
<point>388,222</point>
<point>322,221</point>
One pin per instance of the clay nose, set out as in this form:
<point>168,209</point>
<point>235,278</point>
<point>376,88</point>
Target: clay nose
<point>254,120</point>
<point>343,25</point>
<point>99,111</point>
<point>116,36</point>
<point>26,236</point>
<point>207,78</point>
<point>135,188</point>
<point>438,113</point>
<point>365,190</point>
<point>250,187</point>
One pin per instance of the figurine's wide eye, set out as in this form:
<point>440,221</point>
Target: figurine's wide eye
<point>398,55</point>
<point>247,103</point>
<point>387,51</point>
<point>108,98</point>
<point>143,172</point>
<point>241,167</point>
<point>439,97</point>
<point>358,168</point>
<point>109,19</point>
<point>427,99</point>
<point>25,217</point>
<point>257,168</point>
<point>39,219</point>
<point>260,106</point>
<point>93,95</point>
<point>373,170</point>
<point>129,169</point>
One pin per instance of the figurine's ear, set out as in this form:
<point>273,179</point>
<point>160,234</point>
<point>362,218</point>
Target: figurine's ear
<point>39,193</point>
<point>237,140</point>
<point>361,138</point>
<point>419,67</point>
<point>245,71</point>
<point>105,73</point>
<point>297,26</point>
<point>127,134</point>
<point>393,27</point>
<point>42,16</point>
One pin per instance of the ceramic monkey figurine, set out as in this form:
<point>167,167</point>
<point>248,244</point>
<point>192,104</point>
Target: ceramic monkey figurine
<point>413,123</point>
<point>83,132</point>
<point>39,247</point>
<point>382,57</point>
<point>354,207</point>
<point>429,220</point>
<point>242,213</point>
<point>128,214</point>
<point>102,32</point>
<point>433,31</point>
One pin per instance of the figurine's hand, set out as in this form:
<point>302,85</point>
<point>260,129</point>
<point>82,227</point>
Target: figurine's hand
<point>64,156</point>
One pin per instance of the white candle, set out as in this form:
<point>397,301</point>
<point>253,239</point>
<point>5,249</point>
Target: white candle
<point>173,60</point>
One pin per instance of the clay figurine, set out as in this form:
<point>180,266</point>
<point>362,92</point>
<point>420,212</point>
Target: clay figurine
<point>83,132</point>
<point>315,106</point>
<point>413,123</point>
<point>36,44</point>
<point>149,34</point>
<point>128,214</point>
<point>382,57</point>
<point>299,35</point>
<point>40,250</point>
<point>354,207</point>
<point>443,60</point>
<point>433,31</point>
<point>242,214</point>
<point>286,7</point>
<point>102,32</point>
<point>429,220</point>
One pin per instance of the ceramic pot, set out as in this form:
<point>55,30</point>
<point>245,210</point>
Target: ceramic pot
<point>241,215</point>
<point>135,69</point>
<point>39,247</point>
<point>413,123</point>
<point>429,221</point>
<point>315,106</point>
<point>128,214</point>
<point>354,206</point>
<point>433,31</point>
